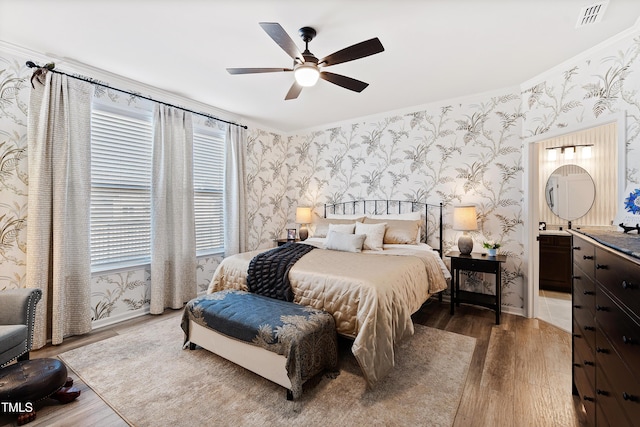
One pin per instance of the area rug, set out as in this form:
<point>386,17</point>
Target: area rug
<point>148,378</point>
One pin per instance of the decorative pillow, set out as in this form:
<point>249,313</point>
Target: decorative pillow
<point>399,231</point>
<point>320,226</point>
<point>374,233</point>
<point>342,228</point>
<point>344,242</point>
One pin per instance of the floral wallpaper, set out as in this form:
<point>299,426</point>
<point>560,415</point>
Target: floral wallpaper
<point>115,295</point>
<point>464,152</point>
<point>606,82</point>
<point>467,151</point>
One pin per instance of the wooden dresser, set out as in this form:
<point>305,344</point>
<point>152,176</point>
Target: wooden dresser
<point>606,331</point>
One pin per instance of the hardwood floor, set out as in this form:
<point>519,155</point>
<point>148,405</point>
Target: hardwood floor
<point>520,373</point>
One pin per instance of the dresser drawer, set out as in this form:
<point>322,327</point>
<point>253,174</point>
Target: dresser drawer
<point>621,277</point>
<point>583,256</point>
<point>584,291</point>
<point>609,409</point>
<point>587,394</point>
<point>586,323</point>
<point>584,358</point>
<point>620,329</point>
<point>620,382</point>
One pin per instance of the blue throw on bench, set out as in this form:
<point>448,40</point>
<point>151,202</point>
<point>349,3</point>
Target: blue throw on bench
<point>304,335</point>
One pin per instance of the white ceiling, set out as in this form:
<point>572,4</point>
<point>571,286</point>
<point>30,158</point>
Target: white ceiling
<point>434,50</point>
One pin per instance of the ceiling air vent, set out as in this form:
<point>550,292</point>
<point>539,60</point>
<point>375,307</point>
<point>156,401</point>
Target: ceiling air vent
<point>591,14</point>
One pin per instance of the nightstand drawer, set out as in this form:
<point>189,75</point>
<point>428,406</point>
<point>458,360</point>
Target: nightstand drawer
<point>474,265</point>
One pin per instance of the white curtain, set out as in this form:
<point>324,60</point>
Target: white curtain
<point>58,255</point>
<point>235,207</point>
<point>173,241</point>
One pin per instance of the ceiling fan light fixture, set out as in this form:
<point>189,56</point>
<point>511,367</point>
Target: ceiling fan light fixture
<point>306,74</point>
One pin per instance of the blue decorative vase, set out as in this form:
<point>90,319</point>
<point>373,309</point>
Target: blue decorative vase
<point>492,252</point>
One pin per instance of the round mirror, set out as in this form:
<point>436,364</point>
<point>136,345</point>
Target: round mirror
<point>570,192</point>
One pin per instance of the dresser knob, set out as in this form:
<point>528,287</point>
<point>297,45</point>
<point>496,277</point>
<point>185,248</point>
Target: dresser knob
<point>601,308</point>
<point>576,248</point>
<point>587,256</point>
<point>589,328</point>
<point>627,285</point>
<point>588,292</point>
<point>586,362</point>
<point>577,336</point>
<point>576,365</point>
<point>602,267</point>
<point>602,392</point>
<point>602,350</point>
<point>577,306</point>
<point>628,397</point>
<point>575,277</point>
<point>588,399</point>
<point>627,340</point>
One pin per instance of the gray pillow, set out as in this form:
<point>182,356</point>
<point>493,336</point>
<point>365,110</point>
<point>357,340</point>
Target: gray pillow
<point>344,242</point>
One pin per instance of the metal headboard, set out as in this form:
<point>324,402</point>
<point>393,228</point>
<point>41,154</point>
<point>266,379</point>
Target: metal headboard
<point>382,207</point>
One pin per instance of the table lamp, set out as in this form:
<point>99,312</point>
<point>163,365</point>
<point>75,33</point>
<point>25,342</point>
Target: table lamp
<point>464,219</point>
<point>303,217</point>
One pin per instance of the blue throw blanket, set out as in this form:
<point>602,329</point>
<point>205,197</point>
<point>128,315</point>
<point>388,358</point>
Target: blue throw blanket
<point>268,272</point>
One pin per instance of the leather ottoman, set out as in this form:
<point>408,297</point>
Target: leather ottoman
<point>29,381</point>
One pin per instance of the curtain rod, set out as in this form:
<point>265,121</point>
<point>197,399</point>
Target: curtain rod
<point>50,67</point>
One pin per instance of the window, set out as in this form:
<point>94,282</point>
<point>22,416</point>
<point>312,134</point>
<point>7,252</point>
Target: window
<point>208,185</point>
<point>121,156</point>
<point>121,142</point>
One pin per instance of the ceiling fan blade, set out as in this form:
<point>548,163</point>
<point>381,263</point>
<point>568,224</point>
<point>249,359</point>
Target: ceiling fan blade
<point>280,36</point>
<point>256,70</point>
<point>356,51</point>
<point>344,81</point>
<point>294,91</point>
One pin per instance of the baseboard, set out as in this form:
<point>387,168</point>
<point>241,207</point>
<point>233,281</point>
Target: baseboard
<point>111,320</point>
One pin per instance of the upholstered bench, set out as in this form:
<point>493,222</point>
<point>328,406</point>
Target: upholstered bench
<point>282,341</point>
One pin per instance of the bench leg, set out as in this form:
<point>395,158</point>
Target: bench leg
<point>192,346</point>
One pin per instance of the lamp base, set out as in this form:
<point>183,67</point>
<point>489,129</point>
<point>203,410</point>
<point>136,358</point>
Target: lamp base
<point>465,244</point>
<point>303,233</point>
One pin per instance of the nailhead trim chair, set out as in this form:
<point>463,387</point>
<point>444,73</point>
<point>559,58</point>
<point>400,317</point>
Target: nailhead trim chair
<point>17,319</point>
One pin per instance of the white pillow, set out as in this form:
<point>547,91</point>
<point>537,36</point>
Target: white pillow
<point>344,242</point>
<point>374,233</point>
<point>342,228</point>
<point>408,215</point>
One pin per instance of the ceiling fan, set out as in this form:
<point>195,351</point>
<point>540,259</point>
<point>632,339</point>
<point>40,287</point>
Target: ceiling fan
<point>306,67</point>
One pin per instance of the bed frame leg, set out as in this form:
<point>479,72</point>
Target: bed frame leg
<point>289,395</point>
<point>192,346</point>
<point>440,296</point>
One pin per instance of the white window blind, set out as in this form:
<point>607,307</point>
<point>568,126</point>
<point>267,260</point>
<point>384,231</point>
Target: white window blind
<point>208,182</point>
<point>121,143</point>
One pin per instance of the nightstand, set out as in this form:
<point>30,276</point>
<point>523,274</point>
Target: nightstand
<point>481,263</point>
<point>281,242</point>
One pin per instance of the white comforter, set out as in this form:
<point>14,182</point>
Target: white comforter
<point>370,295</point>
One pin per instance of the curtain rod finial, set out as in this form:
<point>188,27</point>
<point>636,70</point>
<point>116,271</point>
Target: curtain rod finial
<point>31,64</point>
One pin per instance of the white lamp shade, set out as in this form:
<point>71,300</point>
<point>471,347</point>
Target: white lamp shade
<point>464,218</point>
<point>303,215</point>
<point>306,74</point>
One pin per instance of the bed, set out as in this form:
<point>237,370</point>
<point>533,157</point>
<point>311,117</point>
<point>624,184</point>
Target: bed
<point>371,292</point>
